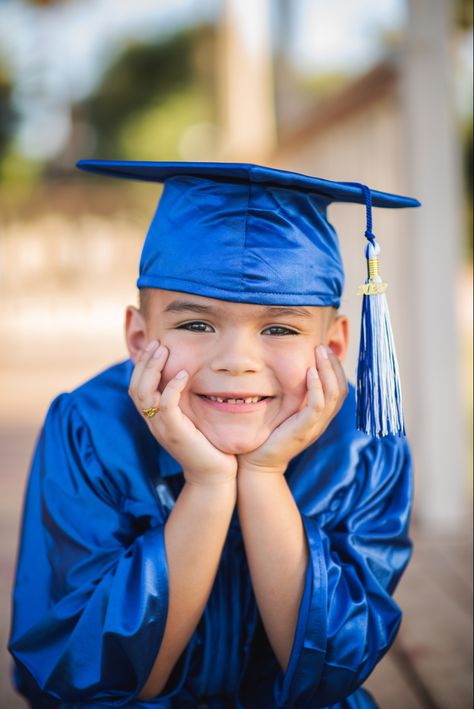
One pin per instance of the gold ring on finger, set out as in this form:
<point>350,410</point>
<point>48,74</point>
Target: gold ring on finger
<point>151,411</point>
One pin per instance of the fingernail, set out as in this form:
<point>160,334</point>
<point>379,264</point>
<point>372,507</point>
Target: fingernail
<point>151,345</point>
<point>323,351</point>
<point>182,374</point>
<point>313,372</point>
<point>158,352</point>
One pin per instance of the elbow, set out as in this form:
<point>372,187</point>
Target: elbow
<point>151,691</point>
<point>148,695</point>
<point>154,685</point>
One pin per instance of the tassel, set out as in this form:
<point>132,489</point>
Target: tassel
<point>378,396</point>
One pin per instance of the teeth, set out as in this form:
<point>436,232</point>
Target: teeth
<point>250,400</point>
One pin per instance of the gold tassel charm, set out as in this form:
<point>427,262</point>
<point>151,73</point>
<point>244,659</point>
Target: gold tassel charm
<point>372,288</point>
<point>374,284</point>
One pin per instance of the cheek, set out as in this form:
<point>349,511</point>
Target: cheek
<point>294,398</point>
<point>292,375</point>
<point>180,357</point>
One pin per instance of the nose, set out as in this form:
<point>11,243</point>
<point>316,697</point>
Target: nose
<point>236,354</point>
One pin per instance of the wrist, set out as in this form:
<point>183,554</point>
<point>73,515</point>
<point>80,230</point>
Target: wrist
<point>217,482</point>
<point>220,496</point>
<point>249,470</point>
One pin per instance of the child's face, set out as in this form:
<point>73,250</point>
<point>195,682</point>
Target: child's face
<point>233,350</point>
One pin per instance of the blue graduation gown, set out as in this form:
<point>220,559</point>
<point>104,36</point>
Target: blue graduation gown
<point>91,590</point>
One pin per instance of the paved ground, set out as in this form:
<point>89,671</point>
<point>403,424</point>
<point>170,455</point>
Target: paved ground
<point>430,664</point>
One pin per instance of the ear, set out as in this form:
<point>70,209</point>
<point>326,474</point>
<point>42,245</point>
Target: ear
<point>136,332</point>
<point>337,336</point>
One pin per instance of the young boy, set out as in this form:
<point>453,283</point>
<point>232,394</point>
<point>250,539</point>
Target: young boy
<point>204,525</point>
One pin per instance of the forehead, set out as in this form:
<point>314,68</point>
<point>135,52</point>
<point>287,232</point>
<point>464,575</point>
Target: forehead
<point>162,302</point>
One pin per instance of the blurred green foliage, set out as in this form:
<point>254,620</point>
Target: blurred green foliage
<point>324,84</point>
<point>7,114</point>
<point>464,13</point>
<point>156,133</point>
<point>46,3</point>
<point>464,22</point>
<point>467,153</point>
<point>151,93</point>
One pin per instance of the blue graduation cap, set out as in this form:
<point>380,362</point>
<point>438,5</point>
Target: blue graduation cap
<point>255,234</point>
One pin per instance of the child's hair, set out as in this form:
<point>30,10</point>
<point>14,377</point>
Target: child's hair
<point>143,300</point>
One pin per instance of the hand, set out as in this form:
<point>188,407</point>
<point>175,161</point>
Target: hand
<point>201,462</point>
<point>325,393</point>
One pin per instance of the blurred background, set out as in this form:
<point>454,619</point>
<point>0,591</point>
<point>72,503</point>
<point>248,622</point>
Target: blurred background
<point>375,91</point>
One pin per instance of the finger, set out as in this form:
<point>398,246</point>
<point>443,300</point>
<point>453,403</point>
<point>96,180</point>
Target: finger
<point>340,375</point>
<point>302,420</point>
<point>147,387</point>
<point>141,363</point>
<point>328,377</point>
<point>169,402</point>
<point>316,400</point>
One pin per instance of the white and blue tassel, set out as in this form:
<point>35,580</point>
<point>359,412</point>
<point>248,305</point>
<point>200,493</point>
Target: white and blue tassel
<point>378,397</point>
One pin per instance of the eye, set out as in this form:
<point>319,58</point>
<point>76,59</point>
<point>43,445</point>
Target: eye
<point>195,326</point>
<point>279,330</point>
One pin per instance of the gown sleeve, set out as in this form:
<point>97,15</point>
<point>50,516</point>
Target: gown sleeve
<point>91,593</point>
<point>347,619</point>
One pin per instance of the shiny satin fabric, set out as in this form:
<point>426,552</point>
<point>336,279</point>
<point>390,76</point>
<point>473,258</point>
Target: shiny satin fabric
<point>243,242</point>
<point>91,590</point>
<point>241,232</point>
<point>160,171</point>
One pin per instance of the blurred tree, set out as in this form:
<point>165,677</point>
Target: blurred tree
<point>464,13</point>
<point>467,147</point>
<point>151,94</point>
<point>464,23</point>
<point>7,114</point>
<point>46,3</point>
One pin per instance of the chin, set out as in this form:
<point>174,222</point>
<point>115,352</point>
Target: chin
<point>235,444</point>
<point>237,449</point>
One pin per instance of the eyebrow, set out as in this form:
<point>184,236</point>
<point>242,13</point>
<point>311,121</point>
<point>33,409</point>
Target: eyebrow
<point>178,306</point>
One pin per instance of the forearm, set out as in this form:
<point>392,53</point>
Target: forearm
<point>195,533</point>
<point>277,554</point>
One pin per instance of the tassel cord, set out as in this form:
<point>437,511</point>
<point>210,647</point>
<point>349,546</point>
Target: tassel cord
<point>379,400</point>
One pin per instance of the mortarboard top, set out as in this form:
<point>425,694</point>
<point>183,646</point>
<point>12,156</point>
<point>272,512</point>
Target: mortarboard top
<point>244,172</point>
<point>243,232</point>
<point>253,234</point>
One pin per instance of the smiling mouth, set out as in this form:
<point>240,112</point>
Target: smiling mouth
<point>234,400</point>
